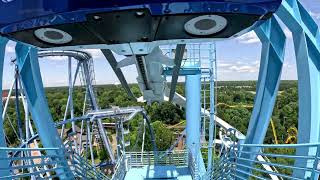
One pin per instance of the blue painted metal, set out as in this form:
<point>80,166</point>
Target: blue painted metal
<point>212,74</point>
<point>306,38</point>
<point>18,15</point>
<point>3,163</point>
<point>193,96</point>
<point>193,116</point>
<point>307,46</point>
<point>183,71</point>
<point>142,165</point>
<point>193,71</point>
<point>17,107</point>
<point>81,168</point>
<point>179,53</point>
<point>235,163</point>
<point>153,137</point>
<point>273,45</point>
<point>28,66</point>
<point>95,106</point>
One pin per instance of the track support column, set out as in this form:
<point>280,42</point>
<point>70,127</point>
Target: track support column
<point>28,66</point>
<point>213,75</point>
<point>193,105</point>
<point>193,115</point>
<point>273,46</point>
<point>3,163</point>
<point>94,104</point>
<point>306,38</point>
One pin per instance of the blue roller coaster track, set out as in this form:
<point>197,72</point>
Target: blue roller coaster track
<point>164,40</point>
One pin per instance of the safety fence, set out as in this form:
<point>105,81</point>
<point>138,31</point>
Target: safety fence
<point>35,162</point>
<point>194,169</point>
<point>120,169</point>
<point>43,163</point>
<point>279,162</point>
<point>222,167</point>
<point>82,168</point>
<point>139,159</point>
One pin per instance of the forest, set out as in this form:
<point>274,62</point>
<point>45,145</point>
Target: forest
<point>234,103</point>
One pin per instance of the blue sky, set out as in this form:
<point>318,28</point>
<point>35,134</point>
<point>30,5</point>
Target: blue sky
<point>237,59</point>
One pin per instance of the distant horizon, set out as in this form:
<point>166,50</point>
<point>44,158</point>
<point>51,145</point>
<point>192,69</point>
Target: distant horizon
<point>65,86</point>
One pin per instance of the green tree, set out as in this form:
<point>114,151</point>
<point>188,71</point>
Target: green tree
<point>164,137</point>
<point>165,112</point>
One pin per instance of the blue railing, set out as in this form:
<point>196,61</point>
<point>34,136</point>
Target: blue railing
<point>262,161</point>
<point>222,167</point>
<point>82,168</point>
<point>120,169</point>
<point>35,162</point>
<point>139,159</point>
<point>240,161</point>
<point>43,163</point>
<point>194,169</point>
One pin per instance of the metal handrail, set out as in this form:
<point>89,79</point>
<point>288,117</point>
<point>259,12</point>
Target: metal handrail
<point>52,162</point>
<point>281,145</point>
<point>120,169</point>
<point>240,163</point>
<point>81,167</point>
<point>139,159</point>
<point>48,163</point>
<point>192,164</point>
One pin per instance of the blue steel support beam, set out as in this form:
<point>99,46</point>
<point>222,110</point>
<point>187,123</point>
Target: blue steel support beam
<point>193,115</point>
<point>113,63</point>
<point>193,105</point>
<point>213,71</point>
<point>28,65</point>
<point>273,45</point>
<point>3,163</point>
<point>152,134</point>
<point>306,38</point>
<point>175,74</point>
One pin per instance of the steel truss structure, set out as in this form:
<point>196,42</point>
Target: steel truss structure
<point>240,156</point>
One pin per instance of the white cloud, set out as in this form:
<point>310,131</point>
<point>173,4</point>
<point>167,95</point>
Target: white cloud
<point>58,83</point>
<point>248,38</point>
<point>248,69</point>
<point>223,65</point>
<point>244,68</point>
<point>55,58</point>
<point>95,53</point>
<point>98,55</point>
<point>251,36</point>
<point>239,67</point>
<point>315,15</point>
<point>10,48</point>
<point>288,33</point>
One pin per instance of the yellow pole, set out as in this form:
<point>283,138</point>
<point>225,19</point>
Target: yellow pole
<point>274,132</point>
